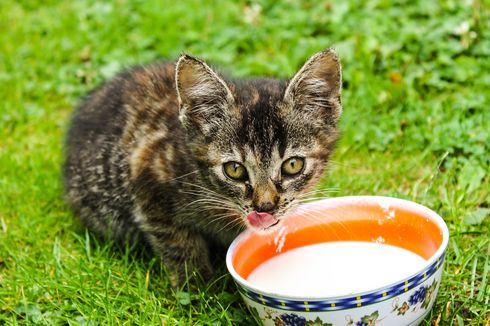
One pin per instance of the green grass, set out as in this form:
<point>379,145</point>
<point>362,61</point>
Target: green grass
<point>416,126</point>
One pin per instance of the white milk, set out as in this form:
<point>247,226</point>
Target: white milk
<point>335,268</point>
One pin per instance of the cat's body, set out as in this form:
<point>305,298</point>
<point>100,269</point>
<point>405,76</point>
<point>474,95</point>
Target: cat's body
<point>181,159</point>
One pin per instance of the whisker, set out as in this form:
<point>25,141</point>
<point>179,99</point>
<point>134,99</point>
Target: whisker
<point>202,192</point>
<point>331,218</point>
<point>320,191</point>
<point>207,190</point>
<point>183,176</point>
<point>230,224</point>
<point>203,195</point>
<point>218,202</point>
<point>198,190</point>
<point>325,189</point>
<point>322,225</point>
<point>204,206</point>
<point>208,200</point>
<point>338,163</point>
<point>217,219</point>
<point>310,199</point>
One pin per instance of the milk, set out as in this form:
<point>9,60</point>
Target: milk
<point>335,268</point>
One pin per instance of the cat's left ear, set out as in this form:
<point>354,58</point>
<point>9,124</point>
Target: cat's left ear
<point>316,86</point>
<point>204,98</point>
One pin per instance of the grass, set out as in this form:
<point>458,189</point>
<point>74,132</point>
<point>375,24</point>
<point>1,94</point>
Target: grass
<point>416,126</point>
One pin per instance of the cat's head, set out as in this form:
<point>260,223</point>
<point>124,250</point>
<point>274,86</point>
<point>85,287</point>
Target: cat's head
<point>260,144</point>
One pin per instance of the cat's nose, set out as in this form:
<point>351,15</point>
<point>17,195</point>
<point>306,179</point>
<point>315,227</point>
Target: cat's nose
<point>266,201</point>
<point>266,207</point>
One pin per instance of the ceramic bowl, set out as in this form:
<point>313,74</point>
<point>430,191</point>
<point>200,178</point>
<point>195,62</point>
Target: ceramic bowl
<point>363,218</point>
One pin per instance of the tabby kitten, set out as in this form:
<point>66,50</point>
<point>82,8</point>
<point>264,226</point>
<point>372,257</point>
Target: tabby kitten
<point>177,157</point>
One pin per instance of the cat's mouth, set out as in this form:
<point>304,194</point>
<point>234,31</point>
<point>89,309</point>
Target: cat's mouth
<point>262,220</point>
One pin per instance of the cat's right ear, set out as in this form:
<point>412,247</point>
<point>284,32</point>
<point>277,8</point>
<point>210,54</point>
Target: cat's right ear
<point>315,89</point>
<point>203,96</point>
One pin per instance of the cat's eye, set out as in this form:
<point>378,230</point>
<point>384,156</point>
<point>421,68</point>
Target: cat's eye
<point>292,166</point>
<point>235,171</point>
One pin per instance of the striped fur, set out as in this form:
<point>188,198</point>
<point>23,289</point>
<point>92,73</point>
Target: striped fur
<point>145,153</point>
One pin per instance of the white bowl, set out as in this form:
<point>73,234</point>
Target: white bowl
<point>362,218</point>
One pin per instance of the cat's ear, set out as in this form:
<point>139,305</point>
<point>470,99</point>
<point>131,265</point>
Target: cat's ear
<point>203,96</point>
<point>316,86</point>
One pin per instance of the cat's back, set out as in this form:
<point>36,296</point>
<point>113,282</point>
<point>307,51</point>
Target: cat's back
<point>111,132</point>
<point>140,95</point>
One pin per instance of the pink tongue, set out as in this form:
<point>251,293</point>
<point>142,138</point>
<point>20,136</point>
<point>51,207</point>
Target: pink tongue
<point>261,220</point>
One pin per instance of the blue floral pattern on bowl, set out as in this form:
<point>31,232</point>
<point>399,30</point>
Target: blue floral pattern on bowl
<point>421,296</point>
<point>344,303</point>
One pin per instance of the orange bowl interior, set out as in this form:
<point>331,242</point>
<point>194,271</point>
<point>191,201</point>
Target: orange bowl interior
<point>346,222</point>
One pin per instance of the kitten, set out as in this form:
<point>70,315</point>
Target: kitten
<point>179,158</point>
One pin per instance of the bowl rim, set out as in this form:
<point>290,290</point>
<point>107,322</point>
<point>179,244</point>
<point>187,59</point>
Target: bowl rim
<point>330,202</point>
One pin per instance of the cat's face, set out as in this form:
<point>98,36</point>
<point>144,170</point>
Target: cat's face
<point>261,145</point>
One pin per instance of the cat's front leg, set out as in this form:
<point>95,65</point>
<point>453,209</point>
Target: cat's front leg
<point>182,251</point>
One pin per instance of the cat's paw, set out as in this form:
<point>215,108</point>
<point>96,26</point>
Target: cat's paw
<point>179,275</point>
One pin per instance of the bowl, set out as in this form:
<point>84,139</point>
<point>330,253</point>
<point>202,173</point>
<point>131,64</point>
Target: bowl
<point>400,297</point>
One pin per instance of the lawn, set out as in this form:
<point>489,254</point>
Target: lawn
<point>416,125</point>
